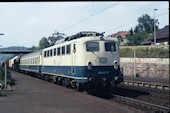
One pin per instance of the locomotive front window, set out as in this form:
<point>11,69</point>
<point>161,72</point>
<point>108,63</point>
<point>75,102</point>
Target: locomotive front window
<point>110,46</point>
<point>92,46</point>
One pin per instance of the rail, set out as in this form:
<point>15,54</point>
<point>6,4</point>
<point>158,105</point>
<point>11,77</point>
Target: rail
<point>147,84</point>
<point>157,108</point>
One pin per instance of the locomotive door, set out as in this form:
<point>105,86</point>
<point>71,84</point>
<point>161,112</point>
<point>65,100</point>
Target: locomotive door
<point>73,71</point>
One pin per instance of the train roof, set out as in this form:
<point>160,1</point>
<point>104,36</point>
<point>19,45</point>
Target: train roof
<point>81,34</point>
<point>89,35</point>
<point>15,57</point>
<point>35,53</point>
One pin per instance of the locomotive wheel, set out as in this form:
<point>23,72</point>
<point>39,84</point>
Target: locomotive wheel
<point>59,81</point>
<point>65,82</point>
<point>80,87</point>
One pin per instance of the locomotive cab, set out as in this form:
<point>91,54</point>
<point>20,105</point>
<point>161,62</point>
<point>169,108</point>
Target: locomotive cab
<point>102,62</point>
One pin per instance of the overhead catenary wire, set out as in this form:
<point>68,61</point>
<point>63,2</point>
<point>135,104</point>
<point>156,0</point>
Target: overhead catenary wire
<point>67,20</point>
<point>90,16</point>
<point>99,12</point>
<point>134,22</point>
<point>162,14</point>
<point>122,26</point>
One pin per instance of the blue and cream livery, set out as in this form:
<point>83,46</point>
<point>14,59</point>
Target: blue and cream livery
<point>87,59</point>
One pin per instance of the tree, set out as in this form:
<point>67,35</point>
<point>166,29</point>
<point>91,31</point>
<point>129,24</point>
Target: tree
<point>43,43</point>
<point>131,31</point>
<point>136,39</point>
<point>34,47</point>
<point>146,24</point>
<point>119,39</point>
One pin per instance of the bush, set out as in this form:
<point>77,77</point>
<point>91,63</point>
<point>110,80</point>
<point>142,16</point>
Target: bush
<point>2,75</point>
<point>145,52</point>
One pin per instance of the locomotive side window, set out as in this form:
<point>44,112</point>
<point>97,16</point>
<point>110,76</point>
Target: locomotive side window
<point>58,51</point>
<point>55,52</point>
<point>68,49</point>
<point>63,50</point>
<point>48,53</point>
<point>92,46</point>
<point>110,46</point>
<point>51,52</point>
<point>45,53</point>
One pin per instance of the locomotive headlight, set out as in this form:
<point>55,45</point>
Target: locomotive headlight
<point>115,64</point>
<point>89,67</point>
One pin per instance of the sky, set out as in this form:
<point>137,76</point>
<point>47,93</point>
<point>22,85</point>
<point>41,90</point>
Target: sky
<point>25,23</point>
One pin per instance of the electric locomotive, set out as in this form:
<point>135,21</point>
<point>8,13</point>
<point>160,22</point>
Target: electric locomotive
<point>85,60</point>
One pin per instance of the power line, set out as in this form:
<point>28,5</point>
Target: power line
<point>133,22</point>
<point>92,8</point>
<point>91,16</point>
<point>66,21</point>
<point>161,14</point>
<point>122,26</point>
<point>105,8</point>
<point>132,12</point>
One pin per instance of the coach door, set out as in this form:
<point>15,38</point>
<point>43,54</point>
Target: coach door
<point>73,58</point>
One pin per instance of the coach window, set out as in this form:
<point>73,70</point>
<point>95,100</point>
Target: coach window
<point>58,51</point>
<point>68,49</point>
<point>92,46</point>
<point>55,52</point>
<point>110,46</point>
<point>51,52</point>
<point>37,60</point>
<point>32,60</point>
<point>63,50</point>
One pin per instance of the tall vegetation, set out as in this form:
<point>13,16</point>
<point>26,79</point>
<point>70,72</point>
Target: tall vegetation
<point>142,30</point>
<point>43,43</point>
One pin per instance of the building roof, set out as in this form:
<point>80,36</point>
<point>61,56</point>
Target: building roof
<point>162,34</point>
<point>123,34</point>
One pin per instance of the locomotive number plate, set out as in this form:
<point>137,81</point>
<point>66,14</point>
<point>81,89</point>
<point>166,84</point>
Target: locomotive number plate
<point>103,60</point>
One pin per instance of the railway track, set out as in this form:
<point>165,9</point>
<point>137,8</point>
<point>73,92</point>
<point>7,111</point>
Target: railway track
<point>148,106</point>
<point>153,92</point>
<point>146,101</point>
<point>153,85</point>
